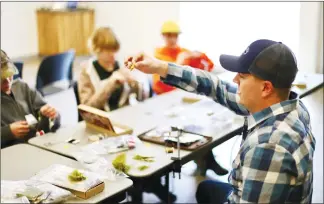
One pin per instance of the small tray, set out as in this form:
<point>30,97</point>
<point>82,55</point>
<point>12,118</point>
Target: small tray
<point>189,146</point>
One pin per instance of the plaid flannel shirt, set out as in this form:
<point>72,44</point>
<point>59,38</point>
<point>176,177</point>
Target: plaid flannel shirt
<point>275,161</point>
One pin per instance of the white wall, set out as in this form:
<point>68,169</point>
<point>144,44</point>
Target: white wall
<point>310,40</point>
<point>320,66</point>
<point>19,28</point>
<point>137,24</point>
<point>19,36</point>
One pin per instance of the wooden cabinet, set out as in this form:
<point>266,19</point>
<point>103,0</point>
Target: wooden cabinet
<point>59,31</point>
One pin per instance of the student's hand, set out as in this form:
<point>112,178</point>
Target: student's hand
<point>48,111</point>
<point>19,129</point>
<point>183,57</point>
<point>147,64</point>
<point>127,75</point>
<point>195,54</point>
<point>118,77</point>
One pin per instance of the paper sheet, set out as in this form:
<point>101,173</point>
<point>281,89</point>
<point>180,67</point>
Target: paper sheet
<point>185,138</point>
<point>57,174</point>
<point>51,193</point>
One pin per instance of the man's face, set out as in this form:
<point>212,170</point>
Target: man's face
<point>171,39</point>
<point>249,90</point>
<point>6,84</point>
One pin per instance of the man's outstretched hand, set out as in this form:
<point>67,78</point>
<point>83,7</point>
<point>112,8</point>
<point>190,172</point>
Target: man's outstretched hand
<point>147,64</point>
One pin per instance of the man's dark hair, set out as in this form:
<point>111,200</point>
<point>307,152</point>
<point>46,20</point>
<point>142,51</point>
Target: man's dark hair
<point>283,93</point>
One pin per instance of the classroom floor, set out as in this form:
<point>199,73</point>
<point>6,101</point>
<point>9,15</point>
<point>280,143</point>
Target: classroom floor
<point>185,188</point>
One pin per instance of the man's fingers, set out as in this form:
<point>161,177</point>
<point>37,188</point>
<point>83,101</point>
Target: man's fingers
<point>140,64</point>
<point>45,109</point>
<point>129,64</point>
<point>23,131</point>
<point>138,58</point>
<point>23,122</point>
<point>51,110</point>
<point>128,61</point>
<point>24,127</point>
<point>52,114</point>
<point>133,62</point>
<point>48,111</point>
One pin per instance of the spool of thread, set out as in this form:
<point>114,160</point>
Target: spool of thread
<point>131,144</point>
<point>40,133</point>
<point>169,150</point>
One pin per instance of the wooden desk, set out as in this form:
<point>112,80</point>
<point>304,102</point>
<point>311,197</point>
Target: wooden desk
<point>59,31</point>
<point>21,162</point>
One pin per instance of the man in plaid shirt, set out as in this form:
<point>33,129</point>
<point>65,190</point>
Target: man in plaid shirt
<point>275,160</point>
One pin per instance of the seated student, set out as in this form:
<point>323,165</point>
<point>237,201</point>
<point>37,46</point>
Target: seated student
<point>17,101</point>
<point>195,59</point>
<point>169,52</point>
<point>103,84</point>
<point>172,52</point>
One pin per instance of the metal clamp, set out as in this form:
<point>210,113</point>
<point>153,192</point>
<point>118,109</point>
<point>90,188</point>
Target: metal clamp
<point>177,164</point>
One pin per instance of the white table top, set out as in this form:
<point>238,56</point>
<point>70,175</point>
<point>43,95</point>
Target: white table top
<point>141,118</point>
<point>82,134</point>
<point>151,112</point>
<point>20,162</point>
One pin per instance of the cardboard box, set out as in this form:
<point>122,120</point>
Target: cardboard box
<point>58,175</point>
<point>98,120</point>
<point>89,193</point>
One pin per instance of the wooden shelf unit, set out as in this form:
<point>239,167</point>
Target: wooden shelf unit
<point>59,31</point>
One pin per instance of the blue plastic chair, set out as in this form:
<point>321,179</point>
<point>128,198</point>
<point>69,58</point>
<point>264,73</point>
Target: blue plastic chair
<point>53,69</point>
<point>77,98</point>
<point>19,66</point>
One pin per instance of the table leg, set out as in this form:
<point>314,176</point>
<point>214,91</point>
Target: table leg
<point>137,192</point>
<point>167,184</point>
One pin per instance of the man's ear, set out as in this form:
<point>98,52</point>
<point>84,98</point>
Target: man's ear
<point>267,89</point>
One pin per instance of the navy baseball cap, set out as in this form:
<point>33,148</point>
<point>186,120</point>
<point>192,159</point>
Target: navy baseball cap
<point>266,59</point>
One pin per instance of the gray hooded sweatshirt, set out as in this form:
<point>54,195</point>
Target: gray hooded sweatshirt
<point>14,107</point>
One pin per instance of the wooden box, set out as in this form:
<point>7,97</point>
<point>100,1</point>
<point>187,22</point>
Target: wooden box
<point>57,174</point>
<point>98,120</point>
<point>89,193</point>
<point>61,30</point>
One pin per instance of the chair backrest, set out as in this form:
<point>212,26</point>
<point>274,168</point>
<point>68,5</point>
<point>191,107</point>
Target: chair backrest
<point>55,68</point>
<point>19,66</point>
<point>77,98</point>
<point>150,80</point>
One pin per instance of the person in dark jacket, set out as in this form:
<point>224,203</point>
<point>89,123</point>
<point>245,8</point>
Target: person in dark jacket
<point>18,103</point>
